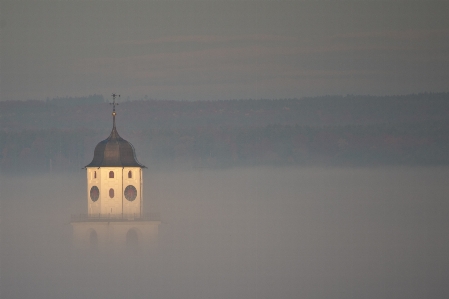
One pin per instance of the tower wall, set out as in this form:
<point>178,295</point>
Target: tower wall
<point>93,179</point>
<point>111,205</point>
<point>114,235</point>
<point>114,203</point>
<point>132,208</point>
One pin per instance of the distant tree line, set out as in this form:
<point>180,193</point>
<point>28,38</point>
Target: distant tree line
<point>332,130</point>
<point>92,112</point>
<point>72,101</point>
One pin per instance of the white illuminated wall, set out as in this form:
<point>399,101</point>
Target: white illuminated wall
<point>114,203</point>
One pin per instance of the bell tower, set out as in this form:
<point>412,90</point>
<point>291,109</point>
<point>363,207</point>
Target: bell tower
<point>114,196</point>
<point>114,177</point>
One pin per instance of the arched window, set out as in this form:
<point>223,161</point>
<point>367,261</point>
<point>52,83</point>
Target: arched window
<point>130,174</point>
<point>95,174</point>
<point>111,193</point>
<point>111,174</point>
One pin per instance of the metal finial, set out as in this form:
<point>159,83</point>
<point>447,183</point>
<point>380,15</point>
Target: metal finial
<point>113,109</point>
<point>114,103</point>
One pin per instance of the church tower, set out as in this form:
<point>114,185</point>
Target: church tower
<point>114,178</point>
<point>115,216</point>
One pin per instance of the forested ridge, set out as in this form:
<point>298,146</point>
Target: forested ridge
<point>60,134</point>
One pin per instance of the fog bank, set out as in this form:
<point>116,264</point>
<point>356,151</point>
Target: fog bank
<point>239,233</point>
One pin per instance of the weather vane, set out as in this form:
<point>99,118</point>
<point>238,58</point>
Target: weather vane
<point>114,103</point>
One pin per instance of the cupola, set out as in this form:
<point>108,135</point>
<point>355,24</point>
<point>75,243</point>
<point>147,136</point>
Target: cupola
<point>114,151</point>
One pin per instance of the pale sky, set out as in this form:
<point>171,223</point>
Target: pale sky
<point>212,50</point>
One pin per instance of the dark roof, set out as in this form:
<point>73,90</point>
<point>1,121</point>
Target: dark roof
<point>114,151</point>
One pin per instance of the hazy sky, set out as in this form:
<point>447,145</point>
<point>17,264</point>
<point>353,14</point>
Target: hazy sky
<point>222,49</point>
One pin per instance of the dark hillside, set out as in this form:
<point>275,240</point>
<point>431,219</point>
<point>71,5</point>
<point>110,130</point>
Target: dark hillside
<point>60,134</point>
<point>92,112</point>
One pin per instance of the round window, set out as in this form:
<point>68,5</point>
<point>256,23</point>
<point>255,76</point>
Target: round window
<point>130,192</point>
<point>111,193</point>
<point>94,193</point>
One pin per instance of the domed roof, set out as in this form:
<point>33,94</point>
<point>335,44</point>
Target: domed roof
<point>114,151</point>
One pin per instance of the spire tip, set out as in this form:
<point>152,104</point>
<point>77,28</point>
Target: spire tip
<point>113,109</point>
